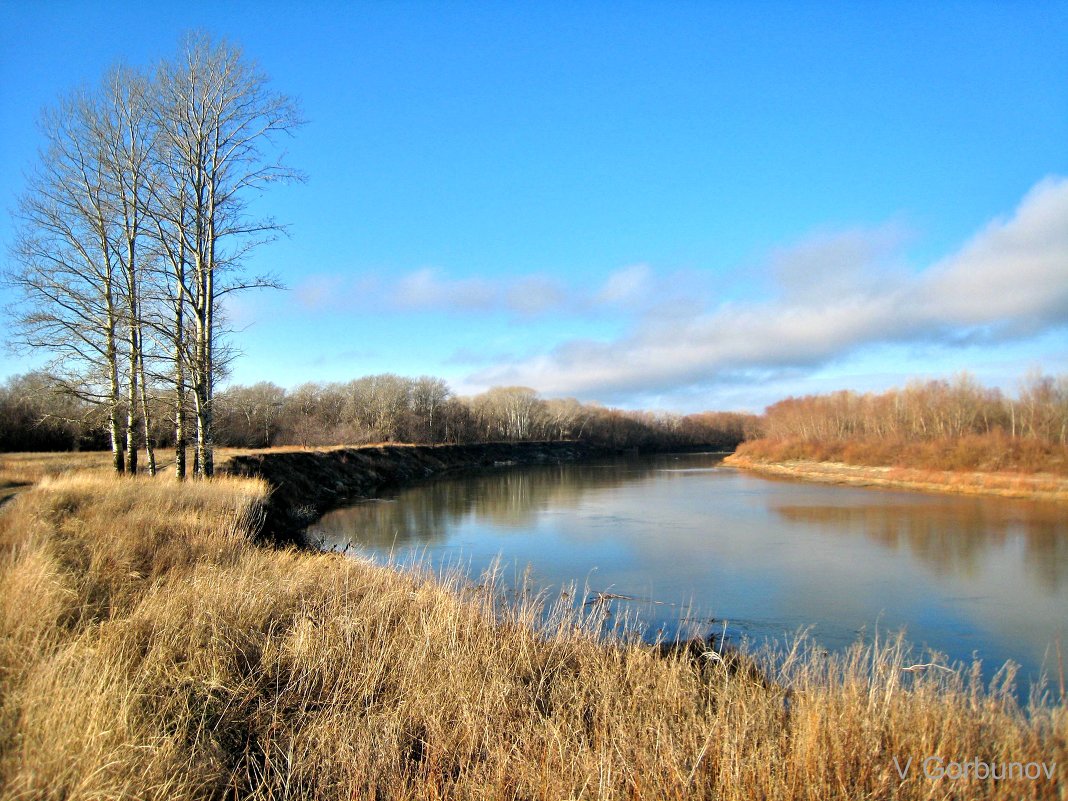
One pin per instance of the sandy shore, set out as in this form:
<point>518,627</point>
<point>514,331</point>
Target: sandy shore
<point>1036,486</point>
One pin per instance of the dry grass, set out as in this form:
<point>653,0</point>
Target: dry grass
<point>23,469</point>
<point>1035,486</point>
<point>148,651</point>
<point>20,470</point>
<point>988,464</point>
<point>995,452</point>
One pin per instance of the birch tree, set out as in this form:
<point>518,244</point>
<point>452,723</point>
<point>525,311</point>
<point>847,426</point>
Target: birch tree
<point>122,129</point>
<point>219,126</point>
<point>134,228</point>
<point>66,264</point>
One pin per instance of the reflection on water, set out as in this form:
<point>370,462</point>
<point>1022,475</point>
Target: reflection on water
<point>955,536</point>
<point>509,498</point>
<point>962,575</point>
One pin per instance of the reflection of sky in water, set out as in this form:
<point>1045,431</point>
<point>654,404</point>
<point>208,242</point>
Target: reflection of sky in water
<point>962,574</point>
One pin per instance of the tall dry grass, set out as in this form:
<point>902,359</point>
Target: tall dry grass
<point>992,452</point>
<point>148,651</point>
<point>18,470</point>
<point>21,470</point>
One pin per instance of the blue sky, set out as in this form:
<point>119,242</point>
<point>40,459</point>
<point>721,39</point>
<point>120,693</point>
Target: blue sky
<point>663,205</point>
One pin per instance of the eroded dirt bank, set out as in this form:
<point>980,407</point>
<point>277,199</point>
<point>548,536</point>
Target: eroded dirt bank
<point>1038,486</point>
<point>307,483</point>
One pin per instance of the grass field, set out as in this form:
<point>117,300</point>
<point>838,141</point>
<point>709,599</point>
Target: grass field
<point>147,650</point>
<point>20,470</point>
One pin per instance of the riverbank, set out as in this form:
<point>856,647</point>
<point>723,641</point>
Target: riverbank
<point>304,484</point>
<point>1034,486</point>
<point>149,650</point>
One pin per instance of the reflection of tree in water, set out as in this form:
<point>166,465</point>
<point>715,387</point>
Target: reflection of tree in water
<point>508,497</point>
<point>955,537</point>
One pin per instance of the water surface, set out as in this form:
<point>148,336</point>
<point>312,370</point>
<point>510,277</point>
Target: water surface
<point>699,545</point>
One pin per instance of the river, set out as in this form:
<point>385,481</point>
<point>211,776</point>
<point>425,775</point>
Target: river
<point>695,546</point>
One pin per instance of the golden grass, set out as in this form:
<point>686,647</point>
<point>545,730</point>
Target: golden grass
<point>992,453</point>
<point>1035,486</point>
<point>19,470</point>
<point>22,469</point>
<point>148,651</point>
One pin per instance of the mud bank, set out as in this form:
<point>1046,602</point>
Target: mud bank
<point>305,484</point>
<point>1037,486</point>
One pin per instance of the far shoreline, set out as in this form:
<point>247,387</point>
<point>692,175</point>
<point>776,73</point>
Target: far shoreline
<point>1027,486</point>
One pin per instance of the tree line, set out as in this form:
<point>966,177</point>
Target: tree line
<point>40,414</point>
<point>926,410</point>
<point>133,229</point>
<point>948,424</point>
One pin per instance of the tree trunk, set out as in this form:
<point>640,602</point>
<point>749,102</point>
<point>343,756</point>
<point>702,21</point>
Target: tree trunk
<point>204,461</point>
<point>202,384</point>
<point>146,417</point>
<point>114,429</point>
<point>179,408</point>
<point>207,364</point>
<point>131,406</point>
<point>206,439</point>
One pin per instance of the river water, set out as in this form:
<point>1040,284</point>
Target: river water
<point>696,547</point>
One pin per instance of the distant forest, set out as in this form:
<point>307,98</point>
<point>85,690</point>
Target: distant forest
<point>37,414</point>
<point>951,424</point>
<point>955,424</point>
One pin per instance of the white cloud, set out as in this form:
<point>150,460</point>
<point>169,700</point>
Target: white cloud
<point>430,289</point>
<point>630,290</point>
<point>324,292</point>
<point>1012,275</point>
<point>535,295</point>
<point>625,286</point>
<point>316,291</point>
<point>839,262</point>
<point>426,290</point>
<point>838,293</point>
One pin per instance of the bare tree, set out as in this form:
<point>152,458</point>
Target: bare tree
<point>249,414</point>
<point>67,265</point>
<point>378,404</point>
<point>510,413</point>
<point>121,127</point>
<point>218,124</point>
<point>135,227</point>
<point>36,414</point>
<point>428,395</point>
<point>168,212</point>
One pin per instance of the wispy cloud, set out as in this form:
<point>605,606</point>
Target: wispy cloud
<point>331,292</point>
<point>431,289</point>
<point>534,295</point>
<point>836,293</point>
<point>427,289</point>
<point>628,289</point>
<point>837,263</point>
<point>344,357</point>
<point>626,286</point>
